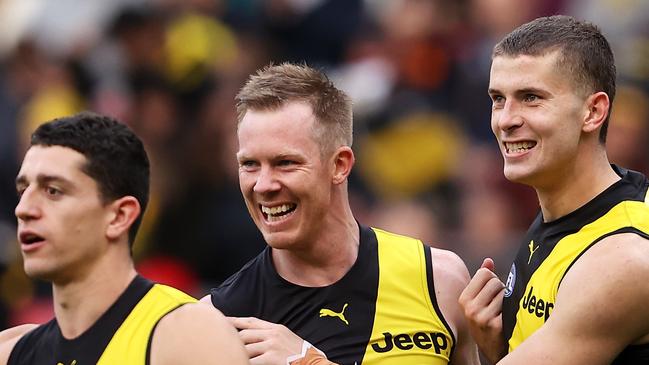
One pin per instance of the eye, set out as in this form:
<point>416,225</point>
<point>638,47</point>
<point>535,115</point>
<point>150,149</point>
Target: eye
<point>286,163</point>
<point>20,191</point>
<point>497,101</point>
<point>52,191</point>
<point>530,98</point>
<point>247,164</point>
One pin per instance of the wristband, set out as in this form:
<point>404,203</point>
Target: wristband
<point>307,349</point>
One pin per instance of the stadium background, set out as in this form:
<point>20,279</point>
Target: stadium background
<point>417,70</point>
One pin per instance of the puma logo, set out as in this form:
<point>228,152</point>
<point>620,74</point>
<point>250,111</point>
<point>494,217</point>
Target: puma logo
<point>532,250</point>
<point>74,362</point>
<point>324,312</point>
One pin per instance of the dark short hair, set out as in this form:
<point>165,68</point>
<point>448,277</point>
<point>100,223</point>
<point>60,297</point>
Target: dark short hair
<point>585,54</point>
<point>115,156</point>
<point>275,85</point>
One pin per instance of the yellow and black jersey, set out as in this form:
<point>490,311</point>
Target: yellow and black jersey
<point>550,249</point>
<point>383,311</point>
<point>122,335</point>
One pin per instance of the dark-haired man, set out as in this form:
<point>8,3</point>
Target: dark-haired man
<point>83,186</point>
<point>577,292</point>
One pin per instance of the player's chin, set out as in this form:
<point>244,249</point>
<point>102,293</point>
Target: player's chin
<point>36,271</point>
<point>279,241</point>
<point>520,177</point>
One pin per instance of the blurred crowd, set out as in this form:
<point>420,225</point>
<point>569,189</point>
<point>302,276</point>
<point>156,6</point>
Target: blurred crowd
<point>417,70</point>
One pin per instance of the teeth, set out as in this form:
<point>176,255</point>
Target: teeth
<point>272,211</point>
<point>519,146</point>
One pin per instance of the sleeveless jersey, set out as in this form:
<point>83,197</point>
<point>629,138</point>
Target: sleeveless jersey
<point>383,311</point>
<point>122,335</point>
<point>550,249</point>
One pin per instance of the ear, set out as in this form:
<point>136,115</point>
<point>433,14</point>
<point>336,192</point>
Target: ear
<point>124,211</point>
<point>343,160</point>
<point>598,106</point>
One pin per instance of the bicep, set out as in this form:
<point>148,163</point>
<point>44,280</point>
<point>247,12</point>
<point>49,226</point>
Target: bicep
<point>550,345</point>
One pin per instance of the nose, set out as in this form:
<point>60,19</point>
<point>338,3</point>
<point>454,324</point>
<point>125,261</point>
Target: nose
<point>27,207</point>
<point>266,181</point>
<point>509,117</point>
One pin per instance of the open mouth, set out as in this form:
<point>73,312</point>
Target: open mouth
<point>518,147</point>
<point>277,213</point>
<point>30,238</point>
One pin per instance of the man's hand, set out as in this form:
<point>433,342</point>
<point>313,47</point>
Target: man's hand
<point>267,343</point>
<point>482,302</point>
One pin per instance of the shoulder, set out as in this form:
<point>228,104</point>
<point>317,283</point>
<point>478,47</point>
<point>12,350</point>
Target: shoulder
<point>9,338</point>
<point>193,316</point>
<point>611,280</point>
<point>449,269</point>
<point>450,277</point>
<point>618,256</point>
<point>195,333</point>
<point>15,333</point>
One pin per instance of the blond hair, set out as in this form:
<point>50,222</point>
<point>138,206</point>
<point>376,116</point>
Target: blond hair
<point>274,86</point>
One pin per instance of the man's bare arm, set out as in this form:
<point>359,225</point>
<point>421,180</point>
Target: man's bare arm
<point>600,308</point>
<point>196,333</point>
<point>451,277</point>
<point>9,338</point>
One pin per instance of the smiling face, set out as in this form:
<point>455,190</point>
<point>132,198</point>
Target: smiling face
<point>285,181</point>
<point>537,118</point>
<point>61,218</point>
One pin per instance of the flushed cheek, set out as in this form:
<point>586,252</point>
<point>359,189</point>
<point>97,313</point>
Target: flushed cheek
<point>246,188</point>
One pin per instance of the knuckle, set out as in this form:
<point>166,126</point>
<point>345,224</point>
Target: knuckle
<point>471,311</point>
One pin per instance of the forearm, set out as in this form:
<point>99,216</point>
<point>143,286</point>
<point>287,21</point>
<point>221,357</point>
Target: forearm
<point>492,354</point>
<point>490,341</point>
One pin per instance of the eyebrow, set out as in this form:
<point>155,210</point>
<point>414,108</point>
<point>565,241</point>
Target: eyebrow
<point>43,179</point>
<point>491,91</point>
<point>288,155</point>
<point>242,156</point>
<point>527,90</point>
<point>531,90</point>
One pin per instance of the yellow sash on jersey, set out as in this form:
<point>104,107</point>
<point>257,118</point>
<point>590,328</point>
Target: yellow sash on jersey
<point>129,344</point>
<point>407,328</point>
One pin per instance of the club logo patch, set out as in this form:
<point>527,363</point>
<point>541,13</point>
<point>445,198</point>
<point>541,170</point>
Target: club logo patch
<point>511,279</point>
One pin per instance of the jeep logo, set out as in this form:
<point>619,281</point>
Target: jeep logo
<point>403,341</point>
<point>537,306</point>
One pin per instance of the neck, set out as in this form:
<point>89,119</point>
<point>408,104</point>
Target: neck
<point>575,188</point>
<point>327,258</point>
<point>78,303</point>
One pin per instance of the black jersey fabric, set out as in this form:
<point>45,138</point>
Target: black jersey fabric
<point>121,335</point>
<point>383,311</point>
